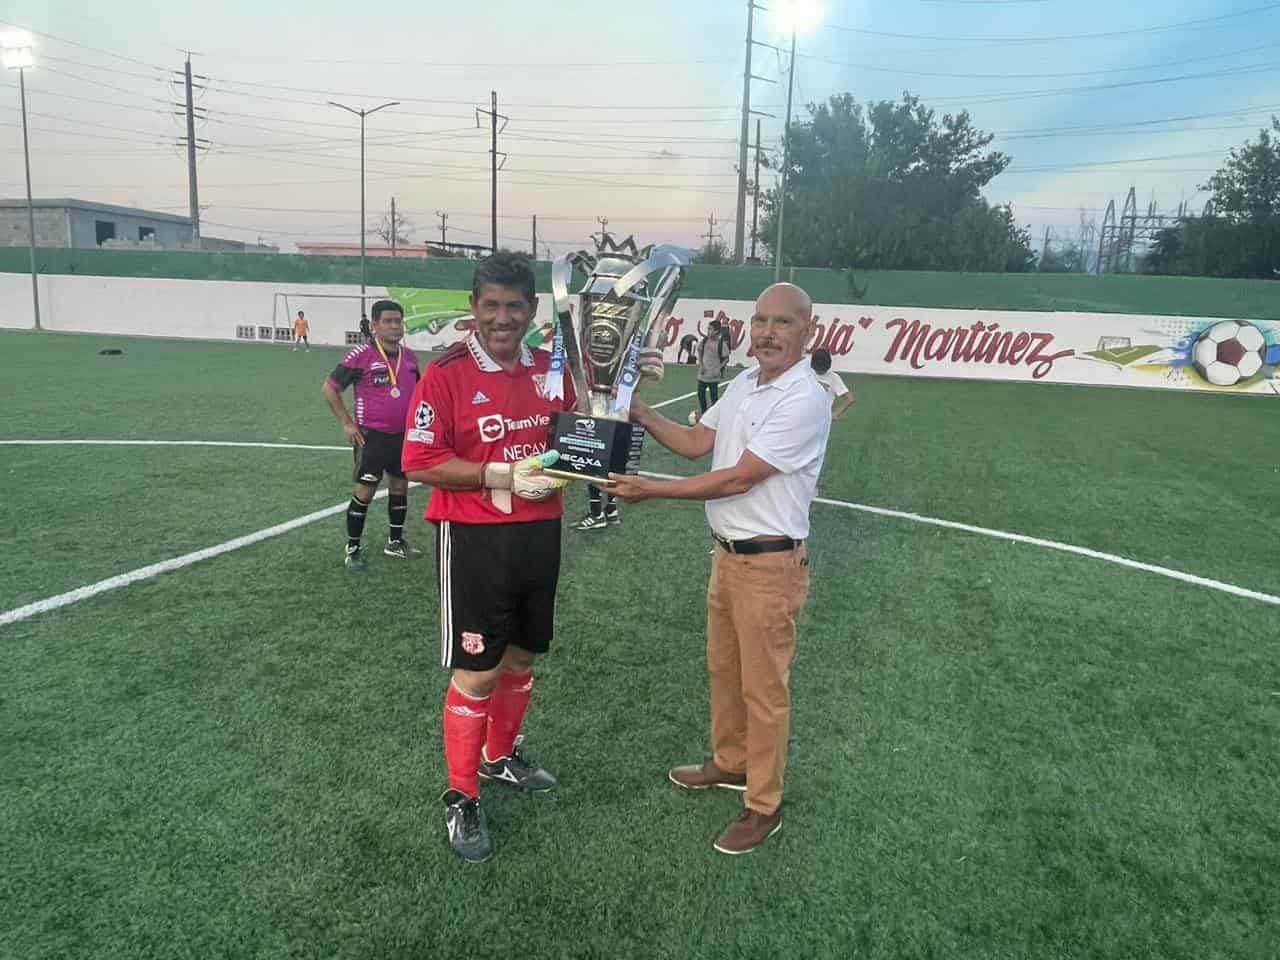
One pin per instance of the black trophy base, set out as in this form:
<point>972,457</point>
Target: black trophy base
<point>591,448</point>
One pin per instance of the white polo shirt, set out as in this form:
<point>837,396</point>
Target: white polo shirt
<point>786,424</point>
<point>832,383</point>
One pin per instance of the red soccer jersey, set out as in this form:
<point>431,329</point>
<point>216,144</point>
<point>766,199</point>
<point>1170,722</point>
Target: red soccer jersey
<point>467,406</point>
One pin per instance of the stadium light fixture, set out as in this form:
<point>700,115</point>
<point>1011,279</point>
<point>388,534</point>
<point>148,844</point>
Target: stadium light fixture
<point>362,113</point>
<point>16,53</point>
<point>798,16</point>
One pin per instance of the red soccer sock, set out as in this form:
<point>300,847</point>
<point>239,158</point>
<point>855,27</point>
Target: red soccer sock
<point>465,719</point>
<point>506,713</point>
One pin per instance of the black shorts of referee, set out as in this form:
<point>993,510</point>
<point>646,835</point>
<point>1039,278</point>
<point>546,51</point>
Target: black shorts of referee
<point>379,454</point>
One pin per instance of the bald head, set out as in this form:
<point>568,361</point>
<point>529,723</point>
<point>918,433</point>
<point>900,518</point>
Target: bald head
<point>780,328</point>
<point>785,298</point>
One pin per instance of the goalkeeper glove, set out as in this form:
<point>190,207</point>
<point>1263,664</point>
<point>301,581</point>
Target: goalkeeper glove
<point>524,478</point>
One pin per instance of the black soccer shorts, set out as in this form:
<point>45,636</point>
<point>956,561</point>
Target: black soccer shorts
<point>497,586</point>
<point>380,453</point>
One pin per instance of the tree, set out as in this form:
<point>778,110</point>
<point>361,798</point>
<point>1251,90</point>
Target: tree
<point>893,187</point>
<point>1064,258</point>
<point>713,252</point>
<point>1247,187</point>
<point>403,228</point>
<point>1242,237</point>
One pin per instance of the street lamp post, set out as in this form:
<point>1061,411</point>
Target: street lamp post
<point>798,16</point>
<point>15,48</point>
<point>362,114</point>
<point>786,159</point>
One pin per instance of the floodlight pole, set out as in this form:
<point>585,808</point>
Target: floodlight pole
<point>362,114</point>
<point>786,157</point>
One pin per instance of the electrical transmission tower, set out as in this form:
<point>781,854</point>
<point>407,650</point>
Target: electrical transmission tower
<point>1119,238</point>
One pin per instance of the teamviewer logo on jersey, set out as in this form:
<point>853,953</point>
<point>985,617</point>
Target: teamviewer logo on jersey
<point>492,429</point>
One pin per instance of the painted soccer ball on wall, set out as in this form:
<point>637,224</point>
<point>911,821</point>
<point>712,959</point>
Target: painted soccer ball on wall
<point>1229,352</point>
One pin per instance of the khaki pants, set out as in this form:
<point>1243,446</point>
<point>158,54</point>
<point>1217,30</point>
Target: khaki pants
<point>752,604</point>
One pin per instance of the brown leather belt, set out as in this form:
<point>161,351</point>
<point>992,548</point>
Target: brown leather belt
<point>759,546</point>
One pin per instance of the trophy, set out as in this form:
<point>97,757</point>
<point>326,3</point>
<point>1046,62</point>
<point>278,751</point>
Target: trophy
<point>621,310</point>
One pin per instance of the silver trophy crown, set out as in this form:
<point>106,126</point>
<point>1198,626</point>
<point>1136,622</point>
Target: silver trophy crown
<point>628,295</point>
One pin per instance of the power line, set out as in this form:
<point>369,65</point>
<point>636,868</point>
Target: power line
<point>904,71</point>
<point>1182,25</point>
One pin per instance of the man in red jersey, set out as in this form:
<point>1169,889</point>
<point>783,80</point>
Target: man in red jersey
<point>476,428</point>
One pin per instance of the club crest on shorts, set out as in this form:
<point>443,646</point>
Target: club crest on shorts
<point>473,643</point>
<point>424,416</point>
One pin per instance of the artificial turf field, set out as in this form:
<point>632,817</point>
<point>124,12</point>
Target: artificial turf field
<point>999,750</point>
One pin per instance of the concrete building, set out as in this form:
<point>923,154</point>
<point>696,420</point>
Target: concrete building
<point>82,224</point>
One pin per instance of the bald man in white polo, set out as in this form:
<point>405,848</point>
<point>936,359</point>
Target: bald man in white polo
<point>769,436</point>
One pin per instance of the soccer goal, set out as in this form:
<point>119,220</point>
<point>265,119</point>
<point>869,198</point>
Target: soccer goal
<point>333,318</point>
<point>1115,343</point>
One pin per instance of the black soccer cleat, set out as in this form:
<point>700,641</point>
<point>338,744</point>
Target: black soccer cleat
<point>468,833</point>
<point>401,550</point>
<point>614,516</point>
<point>355,561</point>
<point>591,522</point>
<point>518,772</point>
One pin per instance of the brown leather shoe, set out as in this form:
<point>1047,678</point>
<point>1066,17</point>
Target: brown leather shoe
<point>700,776</point>
<point>749,831</point>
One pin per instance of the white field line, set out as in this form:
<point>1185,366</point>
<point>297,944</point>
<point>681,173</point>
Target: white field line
<point>169,443</point>
<point>667,403</point>
<point>143,573</point>
<point>166,566</point>
<point>1169,572</point>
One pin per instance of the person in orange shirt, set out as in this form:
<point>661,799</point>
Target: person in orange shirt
<point>300,331</point>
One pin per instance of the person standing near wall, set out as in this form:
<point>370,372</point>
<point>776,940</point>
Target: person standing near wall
<point>713,357</point>
<point>300,332</point>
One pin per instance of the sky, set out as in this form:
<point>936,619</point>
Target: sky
<point>629,112</point>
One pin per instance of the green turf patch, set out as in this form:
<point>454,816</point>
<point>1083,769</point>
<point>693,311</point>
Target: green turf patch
<point>998,750</point>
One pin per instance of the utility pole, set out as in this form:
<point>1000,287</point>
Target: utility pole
<point>740,222</point>
<point>535,236</point>
<point>755,194</point>
<point>16,53</point>
<point>193,190</point>
<point>444,219</point>
<point>711,235</point>
<point>494,166</point>
<point>393,228</point>
<point>1044,250</point>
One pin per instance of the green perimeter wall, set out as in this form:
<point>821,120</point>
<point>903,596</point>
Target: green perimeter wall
<point>1178,296</point>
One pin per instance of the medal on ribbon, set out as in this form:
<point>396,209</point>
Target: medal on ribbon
<point>392,373</point>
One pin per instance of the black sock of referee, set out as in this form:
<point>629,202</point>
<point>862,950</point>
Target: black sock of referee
<point>356,511</point>
<point>397,507</point>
